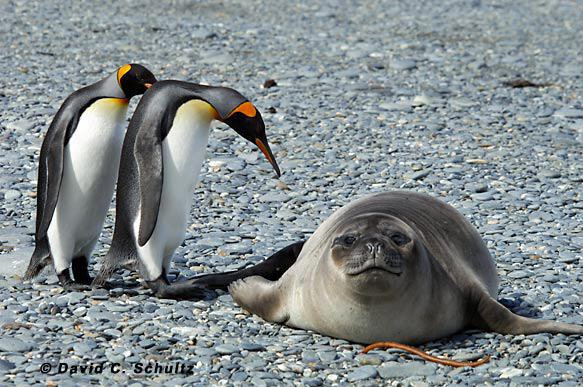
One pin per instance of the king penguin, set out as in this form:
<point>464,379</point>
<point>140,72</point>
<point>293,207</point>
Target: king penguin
<point>162,155</point>
<point>78,166</point>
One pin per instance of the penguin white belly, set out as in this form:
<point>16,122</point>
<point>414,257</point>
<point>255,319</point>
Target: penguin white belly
<point>183,152</point>
<point>89,174</point>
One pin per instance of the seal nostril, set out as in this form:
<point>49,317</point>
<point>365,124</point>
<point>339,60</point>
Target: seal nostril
<point>379,248</point>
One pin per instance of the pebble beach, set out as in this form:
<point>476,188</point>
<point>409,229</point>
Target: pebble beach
<point>478,103</point>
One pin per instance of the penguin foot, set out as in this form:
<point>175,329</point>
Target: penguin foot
<point>116,285</point>
<point>69,285</point>
<point>75,287</point>
<point>80,267</point>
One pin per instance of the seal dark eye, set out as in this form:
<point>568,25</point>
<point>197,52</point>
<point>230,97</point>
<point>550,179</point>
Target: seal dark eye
<point>400,239</point>
<point>346,240</point>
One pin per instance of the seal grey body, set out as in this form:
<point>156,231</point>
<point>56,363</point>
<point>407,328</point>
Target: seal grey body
<point>162,155</point>
<point>397,266</point>
<point>78,167</point>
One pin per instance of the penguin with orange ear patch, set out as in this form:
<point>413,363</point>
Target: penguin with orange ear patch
<point>161,160</point>
<point>78,165</point>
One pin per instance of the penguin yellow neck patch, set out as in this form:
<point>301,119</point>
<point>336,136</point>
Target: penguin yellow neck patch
<point>122,71</point>
<point>113,103</point>
<point>199,108</point>
<point>245,108</point>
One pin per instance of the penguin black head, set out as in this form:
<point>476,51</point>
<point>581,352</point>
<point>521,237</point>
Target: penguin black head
<point>134,79</point>
<point>246,120</point>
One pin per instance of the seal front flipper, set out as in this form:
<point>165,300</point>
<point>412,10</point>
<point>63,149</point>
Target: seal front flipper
<point>261,297</point>
<point>490,315</point>
<point>271,268</point>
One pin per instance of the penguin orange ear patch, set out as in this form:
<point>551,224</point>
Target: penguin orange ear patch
<point>122,71</point>
<point>245,108</point>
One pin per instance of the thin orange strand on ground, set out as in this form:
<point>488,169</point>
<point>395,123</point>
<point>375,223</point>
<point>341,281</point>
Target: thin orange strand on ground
<point>426,356</point>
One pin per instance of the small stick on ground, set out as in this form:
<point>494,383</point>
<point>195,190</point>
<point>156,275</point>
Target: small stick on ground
<point>426,356</point>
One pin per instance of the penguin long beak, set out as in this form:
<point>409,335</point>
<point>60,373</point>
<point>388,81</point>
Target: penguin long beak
<point>264,147</point>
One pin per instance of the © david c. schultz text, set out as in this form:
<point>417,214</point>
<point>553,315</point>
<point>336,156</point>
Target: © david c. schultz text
<point>115,368</point>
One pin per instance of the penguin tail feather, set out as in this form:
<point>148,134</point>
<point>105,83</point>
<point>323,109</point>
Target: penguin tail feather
<point>121,253</point>
<point>111,262</point>
<point>41,257</point>
<point>107,269</point>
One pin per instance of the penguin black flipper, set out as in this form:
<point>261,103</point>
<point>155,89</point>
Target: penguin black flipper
<point>52,156</point>
<point>149,122</point>
<point>50,173</point>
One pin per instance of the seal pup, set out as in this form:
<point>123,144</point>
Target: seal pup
<point>162,155</point>
<point>398,266</point>
<point>78,165</point>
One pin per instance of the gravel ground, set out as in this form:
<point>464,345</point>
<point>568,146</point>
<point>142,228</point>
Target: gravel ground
<point>400,94</point>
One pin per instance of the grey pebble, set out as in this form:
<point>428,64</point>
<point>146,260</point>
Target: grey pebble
<point>517,274</point>
<point>74,297</point>
<point>484,196</point>
<point>476,187</point>
<point>238,376</point>
<point>546,112</point>
<point>510,373</point>
<point>327,356</point>
<point>362,373</point>
<point>421,174</point>
<point>226,349</point>
<point>252,347</point>
<point>6,366</point>
<point>80,311</point>
<point>369,359</point>
<point>11,194</point>
<point>273,197</point>
<point>205,351</point>
<point>569,113</point>
<point>312,382</point>
<point>569,257</point>
<point>115,333</point>
<point>399,370</point>
<point>397,106</point>
<point>549,174</point>
<point>403,64</point>
<point>11,344</point>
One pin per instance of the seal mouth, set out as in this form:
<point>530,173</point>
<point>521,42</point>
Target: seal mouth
<point>373,265</point>
<point>377,269</point>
